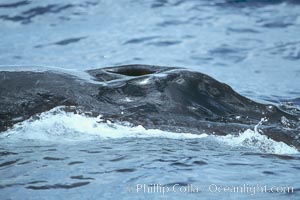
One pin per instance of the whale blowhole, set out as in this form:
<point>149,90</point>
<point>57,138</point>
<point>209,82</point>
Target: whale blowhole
<point>133,71</point>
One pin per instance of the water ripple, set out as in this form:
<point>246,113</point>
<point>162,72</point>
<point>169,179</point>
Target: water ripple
<point>15,5</point>
<point>58,186</point>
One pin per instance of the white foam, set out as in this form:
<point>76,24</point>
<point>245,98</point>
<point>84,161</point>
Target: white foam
<point>253,139</point>
<point>57,125</point>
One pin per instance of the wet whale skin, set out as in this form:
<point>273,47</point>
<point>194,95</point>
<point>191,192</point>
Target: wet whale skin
<point>166,98</point>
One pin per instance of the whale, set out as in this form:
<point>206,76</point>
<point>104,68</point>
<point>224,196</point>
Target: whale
<point>166,98</point>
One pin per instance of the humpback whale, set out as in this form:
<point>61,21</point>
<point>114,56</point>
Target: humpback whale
<point>166,98</point>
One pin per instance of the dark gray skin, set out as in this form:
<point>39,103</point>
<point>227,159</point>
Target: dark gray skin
<point>166,98</point>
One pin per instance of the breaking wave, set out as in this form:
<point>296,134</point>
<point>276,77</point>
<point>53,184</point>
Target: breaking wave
<point>253,139</point>
<point>59,126</point>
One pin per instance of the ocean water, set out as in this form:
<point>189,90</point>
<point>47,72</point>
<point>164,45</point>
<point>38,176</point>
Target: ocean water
<point>254,46</point>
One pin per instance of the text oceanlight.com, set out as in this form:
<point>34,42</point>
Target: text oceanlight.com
<point>211,188</point>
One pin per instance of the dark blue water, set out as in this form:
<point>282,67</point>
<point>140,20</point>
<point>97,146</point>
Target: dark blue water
<point>254,46</point>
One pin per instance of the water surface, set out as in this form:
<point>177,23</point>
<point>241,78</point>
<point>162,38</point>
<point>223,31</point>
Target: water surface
<point>254,46</point>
